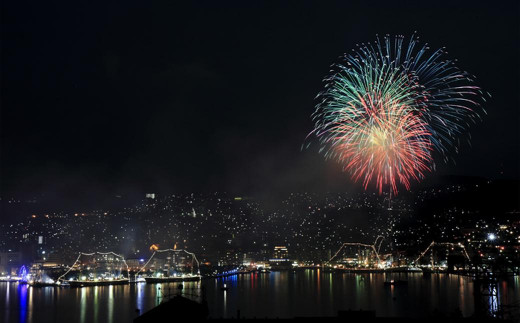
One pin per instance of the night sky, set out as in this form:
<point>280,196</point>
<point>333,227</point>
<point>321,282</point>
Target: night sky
<point>154,96</point>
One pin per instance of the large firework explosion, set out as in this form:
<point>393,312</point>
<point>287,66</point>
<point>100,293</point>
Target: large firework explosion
<point>387,108</point>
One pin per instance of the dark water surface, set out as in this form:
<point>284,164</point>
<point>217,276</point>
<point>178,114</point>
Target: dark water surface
<point>278,294</point>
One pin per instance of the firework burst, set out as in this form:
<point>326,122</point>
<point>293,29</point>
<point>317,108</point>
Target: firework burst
<point>386,108</point>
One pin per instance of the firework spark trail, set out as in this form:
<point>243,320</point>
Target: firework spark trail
<point>387,107</point>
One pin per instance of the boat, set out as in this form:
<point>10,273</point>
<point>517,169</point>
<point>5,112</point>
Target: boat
<point>224,288</point>
<point>87,283</point>
<point>172,279</point>
<point>396,282</point>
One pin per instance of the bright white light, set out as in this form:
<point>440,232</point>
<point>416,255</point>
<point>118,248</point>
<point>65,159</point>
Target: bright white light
<point>491,237</point>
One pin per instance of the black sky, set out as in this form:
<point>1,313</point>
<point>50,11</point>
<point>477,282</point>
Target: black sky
<point>155,95</point>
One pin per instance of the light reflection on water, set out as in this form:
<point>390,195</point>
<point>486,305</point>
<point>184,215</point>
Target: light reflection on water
<point>140,295</point>
<point>96,301</point>
<point>23,303</point>
<point>110,304</point>
<point>7,291</point>
<point>278,294</point>
<point>83,306</point>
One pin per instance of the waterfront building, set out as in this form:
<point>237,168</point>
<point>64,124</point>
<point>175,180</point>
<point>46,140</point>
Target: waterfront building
<point>10,262</point>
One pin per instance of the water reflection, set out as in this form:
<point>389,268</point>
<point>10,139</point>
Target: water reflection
<point>22,290</point>
<point>493,300</point>
<point>110,304</point>
<point>83,306</point>
<point>331,295</point>
<point>158,294</point>
<point>319,281</point>
<point>6,315</point>
<point>224,305</point>
<point>30,304</point>
<point>140,297</point>
<point>96,303</point>
<point>278,294</point>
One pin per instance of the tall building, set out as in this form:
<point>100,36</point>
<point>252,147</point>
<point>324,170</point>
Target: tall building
<point>280,252</point>
<point>150,201</point>
<point>280,260</point>
<point>10,262</point>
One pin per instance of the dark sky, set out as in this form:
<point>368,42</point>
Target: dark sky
<point>114,97</point>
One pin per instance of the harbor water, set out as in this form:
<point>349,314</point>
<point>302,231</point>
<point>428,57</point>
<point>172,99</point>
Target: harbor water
<point>284,294</point>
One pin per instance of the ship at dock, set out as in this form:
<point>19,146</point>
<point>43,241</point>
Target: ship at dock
<point>170,265</point>
<point>109,268</point>
<point>96,269</point>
